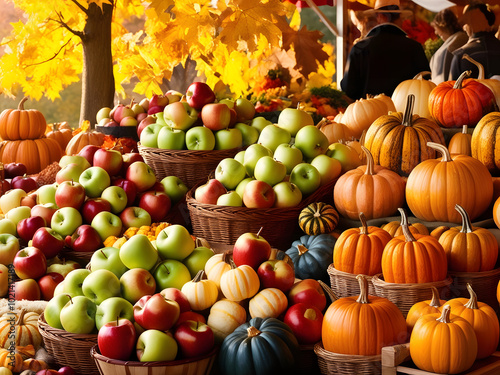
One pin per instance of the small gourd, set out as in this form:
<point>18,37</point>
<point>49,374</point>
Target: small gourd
<point>318,218</point>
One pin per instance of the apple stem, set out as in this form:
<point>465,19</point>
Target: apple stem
<point>104,254</point>
<point>260,230</point>
<point>70,299</point>
<point>166,268</point>
<point>117,319</point>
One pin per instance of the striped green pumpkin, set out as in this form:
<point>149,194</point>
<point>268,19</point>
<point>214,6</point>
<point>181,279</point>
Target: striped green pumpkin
<point>318,218</point>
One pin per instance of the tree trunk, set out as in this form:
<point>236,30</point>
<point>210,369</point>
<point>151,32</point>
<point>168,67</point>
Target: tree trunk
<point>98,83</point>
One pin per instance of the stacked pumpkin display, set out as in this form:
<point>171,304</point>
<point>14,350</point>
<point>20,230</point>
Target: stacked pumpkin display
<point>24,140</point>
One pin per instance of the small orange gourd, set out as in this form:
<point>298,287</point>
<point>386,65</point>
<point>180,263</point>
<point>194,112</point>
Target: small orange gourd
<point>395,227</point>
<point>460,143</point>
<point>432,306</point>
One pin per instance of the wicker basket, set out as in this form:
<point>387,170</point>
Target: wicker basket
<point>343,364</point>
<point>198,366</point>
<point>81,257</point>
<point>345,284</point>
<point>191,166</point>
<point>484,284</point>
<point>307,361</point>
<point>224,224</point>
<point>69,349</point>
<point>404,296</point>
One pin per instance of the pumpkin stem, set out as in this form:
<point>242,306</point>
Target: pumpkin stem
<point>252,331</point>
<point>364,225</point>
<point>231,262</point>
<point>362,138</point>
<point>465,128</point>
<point>472,303</point>
<point>226,257</point>
<point>20,318</point>
<point>435,302</point>
<point>302,249</point>
<point>20,106</point>
<point>199,276</point>
<point>459,81</point>
<point>369,162</point>
<point>408,114</point>
<point>480,66</point>
<point>363,287</point>
<point>466,224</point>
<point>322,122</point>
<point>333,297</point>
<point>445,315</point>
<point>404,216</point>
<point>421,75</point>
<point>405,226</point>
<point>441,149</point>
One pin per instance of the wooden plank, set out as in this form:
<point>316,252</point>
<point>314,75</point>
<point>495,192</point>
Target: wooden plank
<point>395,355</point>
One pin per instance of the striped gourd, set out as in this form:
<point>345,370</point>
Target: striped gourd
<point>318,218</point>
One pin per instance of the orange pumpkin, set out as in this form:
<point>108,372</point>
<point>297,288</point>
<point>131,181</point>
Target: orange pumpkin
<point>359,250</point>
<point>484,146</point>
<point>395,227</point>
<point>359,115</point>
<point>62,136</point>
<point>413,258</point>
<point>350,324</point>
<point>483,319</point>
<point>334,131</point>
<point>417,86</point>
<point>82,139</point>
<point>432,306</point>
<point>435,186</point>
<point>374,190</point>
<point>462,102</point>
<point>20,123</point>
<point>388,102</point>
<point>460,143</point>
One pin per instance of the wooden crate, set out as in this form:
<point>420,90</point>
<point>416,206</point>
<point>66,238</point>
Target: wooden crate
<point>396,360</point>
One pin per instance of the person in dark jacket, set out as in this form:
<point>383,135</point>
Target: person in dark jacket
<point>385,57</point>
<point>483,46</point>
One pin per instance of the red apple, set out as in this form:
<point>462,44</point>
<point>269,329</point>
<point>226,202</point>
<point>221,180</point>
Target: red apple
<point>24,182</point>
<point>129,158</point>
<point>150,119</point>
<point>258,194</point>
<point>88,152</point>
<point>4,186</point>
<point>251,249</point>
<point>47,283</point>
<point>49,241</point>
<point>194,339</point>
<point>216,116</point>
<point>276,274</point>
<point>307,291</point>
<point>116,339</point>
<point>142,175</point>
<point>14,169</point>
<point>47,372</point>
<point>129,188</point>
<point>27,289</point>
<point>44,210</point>
<point>92,207</point>
<point>190,315</point>
<point>305,322</point>
<point>109,160</point>
<point>157,204</point>
<point>209,192</point>
<point>198,94</point>
<point>66,370</point>
<point>30,263</point>
<point>70,194</point>
<point>84,239</point>
<point>156,312</point>
<point>176,295</point>
<point>120,111</point>
<point>27,227</point>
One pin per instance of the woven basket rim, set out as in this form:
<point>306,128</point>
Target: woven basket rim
<point>98,357</point>
<point>335,272</point>
<point>378,281</point>
<point>46,330</point>
<point>347,358</point>
<point>474,275</point>
<point>185,153</point>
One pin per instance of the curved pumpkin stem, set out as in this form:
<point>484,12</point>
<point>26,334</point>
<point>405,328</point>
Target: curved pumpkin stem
<point>20,106</point>
<point>465,129</point>
<point>363,287</point>
<point>421,75</point>
<point>364,225</point>
<point>199,276</point>
<point>472,303</point>
<point>20,318</point>
<point>479,66</point>
<point>252,331</point>
<point>408,114</point>
<point>302,249</point>
<point>435,298</point>
<point>441,149</point>
<point>466,224</point>
<point>445,315</point>
<point>405,227</point>
<point>369,161</point>
<point>459,81</point>
<point>404,216</point>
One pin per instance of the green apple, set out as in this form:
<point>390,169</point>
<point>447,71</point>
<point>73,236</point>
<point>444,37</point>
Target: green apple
<point>102,113</point>
<point>9,246</point>
<point>249,133</point>
<point>107,224</point>
<point>226,139</point>
<point>78,315</point>
<point>347,156</point>
<point>197,259</point>
<point>200,138</point>
<point>272,136</point>
<point>306,177</point>
<point>175,188</point>
<point>7,226</point>
<point>293,119</point>
<point>59,289</point>
<point>329,168</point>
<point>311,141</point>
<point>74,280</point>
<point>4,280</point>
<point>138,252</point>
<point>94,180</point>
<point>52,311</point>
<point>260,123</point>
<point>17,214</point>
<point>108,258</point>
<point>46,194</point>
<point>160,118</point>
<point>252,154</point>
<point>289,155</point>
<point>70,172</point>
<point>241,186</point>
<point>77,159</point>
<point>231,198</point>
<point>180,115</point>
<point>171,273</point>
<point>174,242</point>
<point>287,194</point>
<point>116,197</point>
<point>61,265</point>
<point>245,109</point>
<point>171,139</point>
<point>11,199</point>
<point>66,221</point>
<point>100,285</point>
<point>240,156</point>
<point>113,308</point>
<point>230,172</point>
<point>269,170</point>
<point>149,135</point>
<point>154,345</point>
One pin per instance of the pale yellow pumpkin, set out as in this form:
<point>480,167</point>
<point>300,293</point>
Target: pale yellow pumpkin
<point>225,316</point>
<point>26,329</point>
<point>201,293</point>
<point>359,115</point>
<point>217,265</point>
<point>417,86</point>
<point>239,283</point>
<point>268,303</point>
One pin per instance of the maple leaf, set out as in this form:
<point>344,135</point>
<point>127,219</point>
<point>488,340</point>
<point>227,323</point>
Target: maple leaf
<point>308,49</point>
<point>161,7</point>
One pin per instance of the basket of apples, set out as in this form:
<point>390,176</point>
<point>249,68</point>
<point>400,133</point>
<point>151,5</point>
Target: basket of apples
<point>191,133</point>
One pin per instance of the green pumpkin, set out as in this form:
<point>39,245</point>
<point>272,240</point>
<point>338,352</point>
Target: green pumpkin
<point>262,346</point>
<point>311,256</point>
